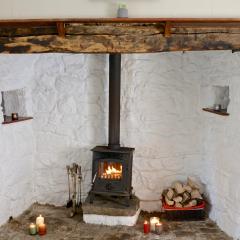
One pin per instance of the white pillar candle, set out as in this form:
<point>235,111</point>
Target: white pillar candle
<point>153,222</point>
<point>39,220</point>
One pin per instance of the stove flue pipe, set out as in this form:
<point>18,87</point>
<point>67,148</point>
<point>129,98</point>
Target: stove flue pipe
<point>114,100</point>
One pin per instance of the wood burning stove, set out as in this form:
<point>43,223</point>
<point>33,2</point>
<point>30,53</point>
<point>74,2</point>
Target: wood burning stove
<point>112,164</point>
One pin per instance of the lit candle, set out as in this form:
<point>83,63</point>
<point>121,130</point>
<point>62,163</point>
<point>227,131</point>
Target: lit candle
<point>39,220</point>
<point>32,229</point>
<point>153,221</point>
<point>146,227</point>
<point>42,230</point>
<point>159,228</point>
<point>14,116</point>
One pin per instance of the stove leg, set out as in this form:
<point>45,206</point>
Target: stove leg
<point>127,199</point>
<point>91,196</point>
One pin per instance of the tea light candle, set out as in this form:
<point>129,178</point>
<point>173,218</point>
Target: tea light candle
<point>159,228</point>
<point>42,230</point>
<point>153,221</point>
<point>146,227</point>
<point>14,116</point>
<point>32,229</point>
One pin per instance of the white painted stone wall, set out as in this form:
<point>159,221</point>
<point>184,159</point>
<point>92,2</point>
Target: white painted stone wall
<point>160,118</point>
<point>221,159</point>
<point>16,144</point>
<point>162,97</point>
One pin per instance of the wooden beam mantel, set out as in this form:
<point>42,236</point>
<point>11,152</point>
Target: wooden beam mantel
<point>114,35</point>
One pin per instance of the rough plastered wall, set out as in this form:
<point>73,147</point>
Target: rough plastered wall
<point>160,118</point>
<point>16,144</point>
<point>69,104</point>
<point>221,136</point>
<point>162,97</point>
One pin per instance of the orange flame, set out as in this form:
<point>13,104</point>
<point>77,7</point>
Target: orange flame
<point>112,173</point>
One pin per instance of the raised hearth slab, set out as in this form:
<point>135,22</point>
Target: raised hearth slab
<point>111,211</point>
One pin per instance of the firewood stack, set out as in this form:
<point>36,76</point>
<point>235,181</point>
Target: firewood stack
<point>184,195</point>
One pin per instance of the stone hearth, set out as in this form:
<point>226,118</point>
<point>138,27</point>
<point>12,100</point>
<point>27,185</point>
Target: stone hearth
<point>60,226</point>
<point>111,211</point>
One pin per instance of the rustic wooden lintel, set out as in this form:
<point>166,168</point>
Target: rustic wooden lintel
<point>127,35</point>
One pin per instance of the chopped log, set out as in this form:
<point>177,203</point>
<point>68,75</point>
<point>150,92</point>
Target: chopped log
<point>187,188</point>
<point>195,184</point>
<point>178,205</point>
<point>186,197</point>
<point>195,194</point>
<point>178,187</point>
<point>169,202</point>
<point>178,199</point>
<point>192,203</point>
<point>170,193</point>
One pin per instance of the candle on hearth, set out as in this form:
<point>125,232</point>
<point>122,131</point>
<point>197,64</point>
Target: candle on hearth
<point>146,227</point>
<point>153,221</point>
<point>159,228</point>
<point>39,220</point>
<point>32,229</point>
<point>42,229</point>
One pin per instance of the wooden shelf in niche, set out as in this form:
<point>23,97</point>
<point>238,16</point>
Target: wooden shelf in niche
<point>9,120</point>
<point>222,113</point>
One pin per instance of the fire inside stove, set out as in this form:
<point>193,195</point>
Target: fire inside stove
<point>110,170</point>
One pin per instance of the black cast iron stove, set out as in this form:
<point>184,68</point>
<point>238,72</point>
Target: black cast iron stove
<point>112,164</point>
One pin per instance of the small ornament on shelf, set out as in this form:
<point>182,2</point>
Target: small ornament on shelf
<point>122,11</point>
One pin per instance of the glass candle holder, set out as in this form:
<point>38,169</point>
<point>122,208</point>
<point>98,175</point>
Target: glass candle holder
<point>159,228</point>
<point>153,222</point>
<point>32,229</point>
<point>42,229</point>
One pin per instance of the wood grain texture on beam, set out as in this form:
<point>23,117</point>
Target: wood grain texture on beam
<point>116,44</point>
<point>113,37</point>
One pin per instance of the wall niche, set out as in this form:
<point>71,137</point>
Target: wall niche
<point>219,97</point>
<point>14,107</point>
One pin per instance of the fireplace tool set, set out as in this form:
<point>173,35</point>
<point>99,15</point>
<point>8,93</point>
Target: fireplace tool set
<point>74,174</point>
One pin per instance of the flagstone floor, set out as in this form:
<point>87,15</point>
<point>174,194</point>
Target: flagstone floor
<point>61,227</point>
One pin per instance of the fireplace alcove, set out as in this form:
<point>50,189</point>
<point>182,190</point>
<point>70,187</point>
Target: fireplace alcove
<point>181,142</point>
